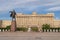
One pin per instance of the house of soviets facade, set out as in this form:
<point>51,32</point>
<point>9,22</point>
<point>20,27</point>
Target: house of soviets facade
<point>31,20</point>
<point>34,19</point>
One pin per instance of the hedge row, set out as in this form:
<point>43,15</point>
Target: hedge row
<point>22,29</point>
<point>34,29</point>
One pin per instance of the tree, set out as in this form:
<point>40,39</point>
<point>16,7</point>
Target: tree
<point>45,26</point>
<point>8,27</point>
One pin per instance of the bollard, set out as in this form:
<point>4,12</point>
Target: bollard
<point>0,30</point>
<point>3,30</point>
<point>29,29</point>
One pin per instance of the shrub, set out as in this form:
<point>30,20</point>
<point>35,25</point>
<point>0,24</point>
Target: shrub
<point>18,29</point>
<point>8,27</point>
<point>45,26</point>
<point>35,29</point>
<point>2,29</point>
<point>22,29</point>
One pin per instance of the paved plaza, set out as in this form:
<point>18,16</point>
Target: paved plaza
<point>29,36</point>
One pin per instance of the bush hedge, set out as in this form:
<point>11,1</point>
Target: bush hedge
<point>8,27</point>
<point>34,29</point>
<point>22,29</point>
<point>45,26</point>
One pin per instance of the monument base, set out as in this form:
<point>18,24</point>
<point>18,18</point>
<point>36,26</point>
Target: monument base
<point>13,27</point>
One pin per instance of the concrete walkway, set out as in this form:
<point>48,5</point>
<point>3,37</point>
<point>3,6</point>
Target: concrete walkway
<point>29,36</point>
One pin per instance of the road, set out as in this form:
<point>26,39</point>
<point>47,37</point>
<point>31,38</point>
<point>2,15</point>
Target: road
<point>29,36</point>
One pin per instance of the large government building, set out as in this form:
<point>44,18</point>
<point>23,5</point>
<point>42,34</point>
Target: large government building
<point>31,20</point>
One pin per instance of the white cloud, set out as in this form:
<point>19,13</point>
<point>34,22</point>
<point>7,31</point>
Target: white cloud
<point>54,9</point>
<point>29,4</point>
<point>11,4</point>
<point>57,18</point>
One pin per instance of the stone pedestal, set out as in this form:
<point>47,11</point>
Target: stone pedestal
<point>13,26</point>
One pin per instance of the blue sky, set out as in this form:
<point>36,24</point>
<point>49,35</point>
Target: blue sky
<point>28,6</point>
